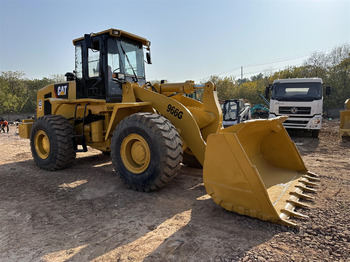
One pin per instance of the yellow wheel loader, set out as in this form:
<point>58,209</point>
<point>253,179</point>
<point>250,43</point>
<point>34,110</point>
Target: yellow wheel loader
<point>345,120</point>
<point>252,168</point>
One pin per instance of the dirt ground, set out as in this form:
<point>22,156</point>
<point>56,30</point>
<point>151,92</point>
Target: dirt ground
<point>85,213</point>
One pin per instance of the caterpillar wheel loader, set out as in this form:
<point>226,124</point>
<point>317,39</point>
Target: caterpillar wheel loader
<point>252,168</point>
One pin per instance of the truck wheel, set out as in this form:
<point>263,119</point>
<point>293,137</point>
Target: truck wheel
<point>51,142</point>
<point>315,133</point>
<point>146,151</point>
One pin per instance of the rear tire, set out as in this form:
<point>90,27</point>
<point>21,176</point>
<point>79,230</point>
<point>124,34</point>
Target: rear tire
<point>51,142</point>
<point>146,151</point>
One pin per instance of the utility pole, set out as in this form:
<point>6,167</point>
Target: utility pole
<point>241,72</point>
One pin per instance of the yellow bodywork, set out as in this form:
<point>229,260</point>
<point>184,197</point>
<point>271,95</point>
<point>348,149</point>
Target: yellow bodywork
<point>98,134</point>
<point>344,129</point>
<point>25,127</point>
<point>252,168</point>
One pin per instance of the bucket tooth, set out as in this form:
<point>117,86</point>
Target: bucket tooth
<point>298,204</point>
<point>287,222</point>
<point>312,174</point>
<point>300,195</point>
<point>306,189</point>
<point>308,183</point>
<point>312,179</point>
<point>294,213</point>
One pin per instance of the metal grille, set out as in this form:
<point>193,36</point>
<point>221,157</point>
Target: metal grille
<point>298,122</point>
<point>292,110</point>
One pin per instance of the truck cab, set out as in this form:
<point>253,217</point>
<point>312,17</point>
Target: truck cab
<point>301,99</point>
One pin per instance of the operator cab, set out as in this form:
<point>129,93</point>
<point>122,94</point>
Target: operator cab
<point>106,60</point>
<point>235,111</point>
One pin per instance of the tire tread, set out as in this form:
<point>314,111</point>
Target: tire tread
<point>170,144</point>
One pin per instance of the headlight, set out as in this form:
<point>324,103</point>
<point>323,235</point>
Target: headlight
<point>116,32</point>
<point>316,121</point>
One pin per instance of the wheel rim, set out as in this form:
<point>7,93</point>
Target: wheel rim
<point>42,144</point>
<point>135,153</point>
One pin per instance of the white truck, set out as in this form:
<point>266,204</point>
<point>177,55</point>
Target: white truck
<point>301,99</point>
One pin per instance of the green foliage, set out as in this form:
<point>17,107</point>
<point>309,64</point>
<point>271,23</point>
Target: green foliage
<point>18,94</point>
<point>12,92</point>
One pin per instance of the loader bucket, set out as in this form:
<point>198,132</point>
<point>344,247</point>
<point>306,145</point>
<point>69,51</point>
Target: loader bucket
<point>255,169</point>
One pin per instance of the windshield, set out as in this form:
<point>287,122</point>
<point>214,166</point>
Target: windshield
<point>125,57</point>
<point>132,60</point>
<point>297,91</point>
<point>230,109</point>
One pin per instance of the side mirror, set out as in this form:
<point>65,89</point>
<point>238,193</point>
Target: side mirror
<point>267,92</point>
<point>119,76</point>
<point>148,57</point>
<point>88,41</point>
<point>70,76</point>
<point>328,90</point>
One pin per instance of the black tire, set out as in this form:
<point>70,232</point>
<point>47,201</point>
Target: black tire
<point>190,160</point>
<point>51,142</point>
<point>315,133</point>
<point>160,143</point>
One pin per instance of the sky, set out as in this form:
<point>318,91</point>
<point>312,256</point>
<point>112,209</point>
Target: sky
<point>190,40</point>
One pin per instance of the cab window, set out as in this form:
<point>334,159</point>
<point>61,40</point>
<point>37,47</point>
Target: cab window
<point>94,60</point>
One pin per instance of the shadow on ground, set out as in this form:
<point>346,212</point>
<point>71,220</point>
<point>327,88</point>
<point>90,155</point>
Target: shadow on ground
<point>85,213</point>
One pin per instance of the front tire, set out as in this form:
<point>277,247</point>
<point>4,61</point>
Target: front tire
<point>51,142</point>
<point>146,151</point>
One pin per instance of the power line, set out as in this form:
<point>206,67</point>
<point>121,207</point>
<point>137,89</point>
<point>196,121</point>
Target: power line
<point>278,61</point>
<point>287,58</point>
<point>271,69</point>
<point>261,64</point>
<point>231,70</point>
<point>272,62</point>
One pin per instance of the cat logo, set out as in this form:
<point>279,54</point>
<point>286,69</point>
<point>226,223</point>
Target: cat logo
<point>61,90</point>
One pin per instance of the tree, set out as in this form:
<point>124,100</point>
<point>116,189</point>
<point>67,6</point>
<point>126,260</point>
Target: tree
<point>339,80</point>
<point>17,94</point>
<point>225,86</point>
<point>13,92</point>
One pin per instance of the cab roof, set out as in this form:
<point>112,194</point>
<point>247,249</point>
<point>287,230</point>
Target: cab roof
<point>298,80</point>
<point>119,33</point>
